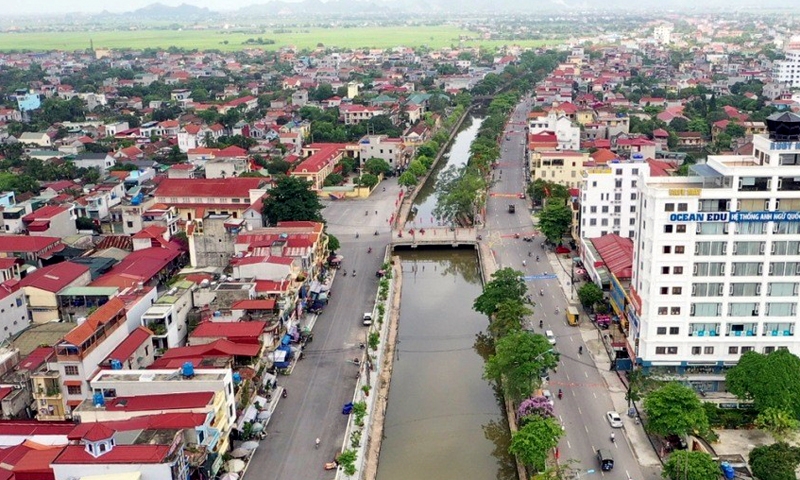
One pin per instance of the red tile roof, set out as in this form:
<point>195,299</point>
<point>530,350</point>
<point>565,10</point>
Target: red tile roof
<point>120,454</point>
<point>229,330</point>
<point>25,244</point>
<point>35,463</point>
<point>97,432</point>
<point>36,358</point>
<point>326,153</point>
<point>128,346</point>
<point>28,428</point>
<point>167,401</point>
<point>217,348</point>
<point>54,277</point>
<point>266,304</point>
<point>232,151</point>
<point>103,314</point>
<point>142,265</point>
<point>166,421</point>
<point>44,213</point>
<point>617,254</point>
<point>208,187</point>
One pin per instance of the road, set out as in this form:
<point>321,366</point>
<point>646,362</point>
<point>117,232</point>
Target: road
<point>586,398</point>
<point>325,379</point>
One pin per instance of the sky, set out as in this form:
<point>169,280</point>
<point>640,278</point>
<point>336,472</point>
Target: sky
<point>29,7</point>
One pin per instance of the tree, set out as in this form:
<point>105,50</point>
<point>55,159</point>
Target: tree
<point>775,462</point>
<point>555,220</point>
<point>506,284</point>
<point>532,443</point>
<point>416,168</point>
<point>333,243</point>
<point>333,179</point>
<point>780,423</point>
<point>291,199</point>
<point>770,381</point>
<point>347,164</point>
<point>377,166</point>
<point>459,191</point>
<point>590,294</point>
<point>538,406</point>
<point>519,360</point>
<point>85,223</point>
<point>407,179</point>
<point>508,317</point>
<point>686,465</point>
<point>674,409</point>
<point>368,180</point>
<point>679,124</point>
<point>277,166</point>
<point>541,189</point>
<point>735,130</point>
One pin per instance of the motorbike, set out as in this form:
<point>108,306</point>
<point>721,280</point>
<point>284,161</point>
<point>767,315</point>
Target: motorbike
<point>284,394</point>
<point>580,350</point>
<point>541,293</point>
<point>369,250</point>
<point>354,273</point>
<point>560,394</point>
<point>376,233</point>
<point>366,213</point>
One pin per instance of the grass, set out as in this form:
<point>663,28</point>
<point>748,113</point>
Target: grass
<point>352,37</point>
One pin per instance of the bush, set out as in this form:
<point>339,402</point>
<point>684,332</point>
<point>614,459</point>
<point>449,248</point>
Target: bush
<point>730,418</point>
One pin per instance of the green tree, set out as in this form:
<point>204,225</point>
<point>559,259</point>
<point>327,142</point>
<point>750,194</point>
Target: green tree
<point>590,294</point>
<point>541,189</point>
<point>85,223</point>
<point>407,179</point>
<point>518,362</point>
<point>780,423</point>
<point>699,124</point>
<point>674,409</point>
<point>333,243</point>
<point>427,150</point>
<point>735,130</point>
<point>555,220</point>
<point>775,462</point>
<point>347,164</point>
<point>333,179</point>
<point>686,465</point>
<point>770,381</point>
<point>506,284</point>
<point>377,166</point>
<point>679,124</point>
<point>291,199</point>
<point>508,317</point>
<point>532,443</point>
<point>277,166</point>
<point>460,190</point>
<point>368,180</point>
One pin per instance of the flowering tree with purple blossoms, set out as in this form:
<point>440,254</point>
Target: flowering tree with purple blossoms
<point>537,405</point>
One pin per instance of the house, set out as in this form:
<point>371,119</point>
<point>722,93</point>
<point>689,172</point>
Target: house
<point>245,333</point>
<point>690,140</point>
<point>134,352</point>
<point>354,114</point>
<point>51,221</point>
<point>562,167</point>
<point>100,161</point>
<point>320,161</point>
<point>168,316</point>
<point>13,310</point>
<point>391,150</point>
<point>41,139</point>
<point>246,104</point>
<point>147,267</point>
<point>31,250</point>
<point>196,197</point>
<point>42,285</point>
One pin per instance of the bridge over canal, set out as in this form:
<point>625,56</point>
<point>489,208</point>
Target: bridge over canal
<point>454,237</point>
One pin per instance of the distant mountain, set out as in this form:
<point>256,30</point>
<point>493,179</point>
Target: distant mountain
<point>159,11</point>
<point>318,7</point>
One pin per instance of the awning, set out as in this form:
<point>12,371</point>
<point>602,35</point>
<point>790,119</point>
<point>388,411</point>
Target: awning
<point>39,225</point>
<point>279,356</point>
<point>73,383</point>
<point>286,340</point>
<point>114,476</point>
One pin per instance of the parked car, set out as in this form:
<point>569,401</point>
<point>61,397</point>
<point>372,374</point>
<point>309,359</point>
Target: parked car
<point>367,319</point>
<point>614,419</point>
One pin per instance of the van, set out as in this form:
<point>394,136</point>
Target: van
<point>605,459</point>
<point>367,320</point>
<point>551,338</point>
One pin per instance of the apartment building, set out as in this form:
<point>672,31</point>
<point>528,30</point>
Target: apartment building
<point>717,259</point>
<point>610,197</point>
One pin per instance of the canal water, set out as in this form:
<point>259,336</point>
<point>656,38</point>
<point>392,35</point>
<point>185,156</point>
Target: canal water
<point>457,155</point>
<point>443,420</point>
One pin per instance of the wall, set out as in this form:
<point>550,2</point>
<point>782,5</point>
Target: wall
<point>13,314</point>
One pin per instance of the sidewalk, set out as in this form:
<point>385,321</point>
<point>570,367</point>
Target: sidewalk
<point>592,337</point>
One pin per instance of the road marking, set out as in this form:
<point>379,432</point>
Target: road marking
<point>570,446</point>
<point>615,445</point>
<point>560,419</point>
<point>595,394</point>
<point>579,411</point>
<point>566,375</point>
<point>586,374</point>
<point>627,474</point>
<point>587,431</point>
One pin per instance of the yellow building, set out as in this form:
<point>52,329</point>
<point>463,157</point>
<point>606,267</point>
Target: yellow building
<point>561,167</point>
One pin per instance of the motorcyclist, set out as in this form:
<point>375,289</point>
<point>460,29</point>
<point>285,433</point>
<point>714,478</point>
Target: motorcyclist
<point>560,394</point>
<point>369,250</point>
<point>524,263</point>
<point>541,323</point>
<point>557,310</point>
<point>354,273</point>
<point>316,443</point>
<point>580,350</point>
<point>537,258</point>
<point>613,437</point>
<point>541,293</point>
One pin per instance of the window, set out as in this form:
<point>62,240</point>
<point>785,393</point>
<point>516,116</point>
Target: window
<point>746,349</point>
<point>733,350</point>
<point>592,222</point>
<point>661,331</point>
<point>667,249</point>
<point>683,207</point>
<point>674,330</point>
<point>706,310</point>
<point>775,309</point>
<point>768,350</point>
<point>71,370</point>
<point>635,171</point>
<point>605,209</point>
<point>680,228</point>
<point>696,350</point>
<point>749,289</point>
<point>618,171</point>
<point>604,222</point>
<point>74,390</point>
<point>677,270</point>
<point>712,228</point>
<point>633,183</point>
<point>661,350</point>
<point>669,207</point>
<point>744,269</point>
<point>786,248</point>
<point>593,209</point>
<point>743,309</point>
<point>664,290</point>
<point>680,249</point>
<point>675,311</point>
<point>618,183</point>
<point>662,310</point>
<point>710,269</point>
<point>710,248</point>
<point>672,350</point>
<point>708,350</point>
<point>633,196</point>
<point>633,210</point>
<point>677,290</point>
<point>668,228</point>
<point>782,289</point>
<point>781,269</point>
<point>748,248</point>
<point>665,270</point>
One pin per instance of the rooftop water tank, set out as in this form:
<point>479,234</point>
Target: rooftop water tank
<point>237,379</point>
<point>99,400</point>
<point>187,370</point>
<point>116,364</point>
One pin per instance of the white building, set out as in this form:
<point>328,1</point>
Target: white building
<point>609,198</point>
<point>717,259</point>
<point>788,70</point>
<point>567,134</point>
<point>167,317</point>
<point>663,34</point>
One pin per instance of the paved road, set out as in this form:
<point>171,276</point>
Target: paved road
<point>586,399</point>
<point>325,379</point>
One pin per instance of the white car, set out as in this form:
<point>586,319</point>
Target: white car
<point>614,419</point>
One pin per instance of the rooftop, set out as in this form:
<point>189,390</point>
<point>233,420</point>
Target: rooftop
<point>53,278</point>
<point>157,376</point>
<point>145,403</point>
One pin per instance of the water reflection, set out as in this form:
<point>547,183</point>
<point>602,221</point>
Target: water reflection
<point>443,419</point>
<point>458,154</point>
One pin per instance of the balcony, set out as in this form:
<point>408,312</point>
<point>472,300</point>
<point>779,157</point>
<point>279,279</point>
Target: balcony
<point>789,184</point>
<point>754,184</point>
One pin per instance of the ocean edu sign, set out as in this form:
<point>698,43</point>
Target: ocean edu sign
<point>736,217</point>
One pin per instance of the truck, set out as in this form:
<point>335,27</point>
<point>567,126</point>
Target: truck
<point>573,316</point>
<point>511,208</point>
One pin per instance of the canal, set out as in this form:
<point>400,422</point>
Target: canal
<point>443,421</point>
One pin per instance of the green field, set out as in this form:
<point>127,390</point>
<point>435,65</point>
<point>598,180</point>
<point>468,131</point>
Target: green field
<point>353,37</point>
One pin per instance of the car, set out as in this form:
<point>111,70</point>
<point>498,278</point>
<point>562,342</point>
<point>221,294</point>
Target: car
<point>367,319</point>
<point>549,396</point>
<point>551,338</point>
<point>614,419</point>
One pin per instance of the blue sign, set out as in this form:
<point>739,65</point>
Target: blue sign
<point>736,217</point>
<point>784,146</point>
<point>546,276</point>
